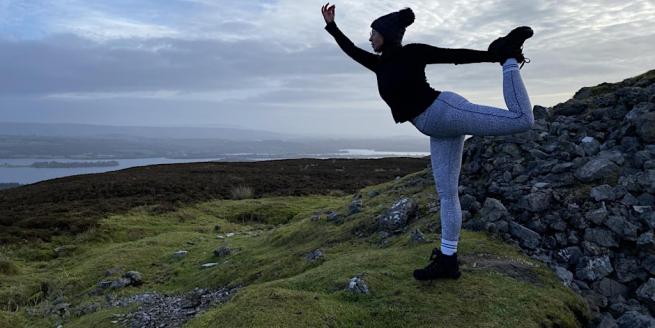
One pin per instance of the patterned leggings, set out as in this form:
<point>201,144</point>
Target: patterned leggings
<point>450,118</point>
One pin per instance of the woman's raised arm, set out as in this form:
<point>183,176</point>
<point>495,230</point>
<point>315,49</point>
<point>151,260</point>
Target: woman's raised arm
<point>360,55</point>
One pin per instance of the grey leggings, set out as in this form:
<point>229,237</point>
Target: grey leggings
<point>450,118</point>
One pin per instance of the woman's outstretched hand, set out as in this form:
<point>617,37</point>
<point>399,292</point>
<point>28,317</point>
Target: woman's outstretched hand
<point>328,13</point>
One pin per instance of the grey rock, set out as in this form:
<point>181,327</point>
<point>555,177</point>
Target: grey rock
<point>646,241</point>
<point>493,209</point>
<point>527,237</point>
<point>222,251</point>
<point>646,292</point>
<point>564,275</point>
<point>180,254</point>
<point>648,263</point>
<point>646,127</point>
<point>84,309</point>
<point>315,255</point>
<point>612,155</point>
<point>332,215</point>
<point>135,277</point>
<point>372,193</point>
<point>418,237</point>
<point>595,300</point>
<point>597,216</point>
<point>590,146</point>
<point>628,269</point>
<point>600,236</point>
<point>208,265</point>
<point>611,288</point>
<point>562,167</point>
<point>594,268</point>
<point>607,321</point>
<point>357,285</point>
<point>398,216</point>
<point>596,169</point>
<point>602,192</point>
<point>355,207</point>
<point>634,319</point>
<point>104,284</point>
<point>622,227</point>
<point>569,255</point>
<point>120,283</point>
<point>536,201</point>
<point>65,250</point>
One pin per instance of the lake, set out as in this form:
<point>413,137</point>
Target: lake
<point>26,175</point>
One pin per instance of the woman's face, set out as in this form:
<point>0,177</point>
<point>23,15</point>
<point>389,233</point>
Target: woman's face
<point>376,40</point>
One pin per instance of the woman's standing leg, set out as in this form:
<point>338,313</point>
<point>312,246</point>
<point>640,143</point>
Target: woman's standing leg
<point>446,158</point>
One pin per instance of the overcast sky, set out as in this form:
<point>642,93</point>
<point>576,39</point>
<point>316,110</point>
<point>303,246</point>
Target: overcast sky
<point>270,64</point>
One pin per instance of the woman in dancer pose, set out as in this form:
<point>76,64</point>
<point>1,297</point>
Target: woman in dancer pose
<point>445,116</point>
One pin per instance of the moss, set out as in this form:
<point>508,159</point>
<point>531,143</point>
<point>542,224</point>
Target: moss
<point>8,267</point>
<point>281,287</point>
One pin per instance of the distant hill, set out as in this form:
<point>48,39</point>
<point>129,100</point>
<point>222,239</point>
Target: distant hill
<point>73,204</point>
<point>108,131</point>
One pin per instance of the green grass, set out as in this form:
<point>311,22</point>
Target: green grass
<point>281,288</point>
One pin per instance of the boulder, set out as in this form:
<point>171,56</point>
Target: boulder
<point>396,218</point>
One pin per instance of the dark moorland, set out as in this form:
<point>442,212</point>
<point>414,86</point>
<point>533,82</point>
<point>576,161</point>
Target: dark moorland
<point>76,203</point>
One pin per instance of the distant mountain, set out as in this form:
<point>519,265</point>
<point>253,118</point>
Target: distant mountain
<point>109,131</point>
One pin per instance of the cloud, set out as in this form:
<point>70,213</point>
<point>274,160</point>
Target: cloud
<point>274,58</point>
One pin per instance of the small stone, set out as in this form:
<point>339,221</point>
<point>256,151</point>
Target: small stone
<point>180,254</point>
<point>646,240</point>
<point>527,237</point>
<point>315,255</point>
<point>120,283</point>
<point>222,251</point>
<point>418,237</point>
<point>229,234</point>
<point>595,268</point>
<point>209,265</point>
<point>135,277</point>
<point>635,319</point>
<point>357,285</point>
<point>646,292</point>
<point>564,275</point>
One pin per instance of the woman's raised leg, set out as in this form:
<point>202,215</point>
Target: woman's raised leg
<point>453,115</point>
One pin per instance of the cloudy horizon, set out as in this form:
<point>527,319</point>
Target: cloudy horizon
<point>270,65</point>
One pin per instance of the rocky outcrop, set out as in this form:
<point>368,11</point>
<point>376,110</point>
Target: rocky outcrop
<point>577,192</point>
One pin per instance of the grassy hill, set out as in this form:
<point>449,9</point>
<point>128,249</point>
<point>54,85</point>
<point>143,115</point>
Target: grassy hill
<point>275,285</point>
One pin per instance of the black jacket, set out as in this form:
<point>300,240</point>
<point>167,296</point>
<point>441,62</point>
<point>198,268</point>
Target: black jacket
<point>400,71</point>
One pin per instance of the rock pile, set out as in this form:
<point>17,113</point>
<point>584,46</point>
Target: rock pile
<point>578,192</point>
<point>157,310</point>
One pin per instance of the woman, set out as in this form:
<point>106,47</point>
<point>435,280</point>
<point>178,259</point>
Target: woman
<point>446,117</point>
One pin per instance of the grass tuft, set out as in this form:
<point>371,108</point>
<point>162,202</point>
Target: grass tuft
<point>242,192</point>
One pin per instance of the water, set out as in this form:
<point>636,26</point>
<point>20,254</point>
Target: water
<point>26,175</point>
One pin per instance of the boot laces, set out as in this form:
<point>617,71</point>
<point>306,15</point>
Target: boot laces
<point>525,60</point>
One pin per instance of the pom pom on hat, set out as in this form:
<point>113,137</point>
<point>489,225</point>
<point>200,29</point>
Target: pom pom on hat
<point>406,16</point>
<point>392,26</point>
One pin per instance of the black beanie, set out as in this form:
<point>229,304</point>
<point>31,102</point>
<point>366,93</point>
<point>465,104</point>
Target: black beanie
<point>392,26</point>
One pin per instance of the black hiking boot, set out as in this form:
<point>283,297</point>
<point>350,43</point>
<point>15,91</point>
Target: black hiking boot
<point>442,266</point>
<point>511,45</point>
